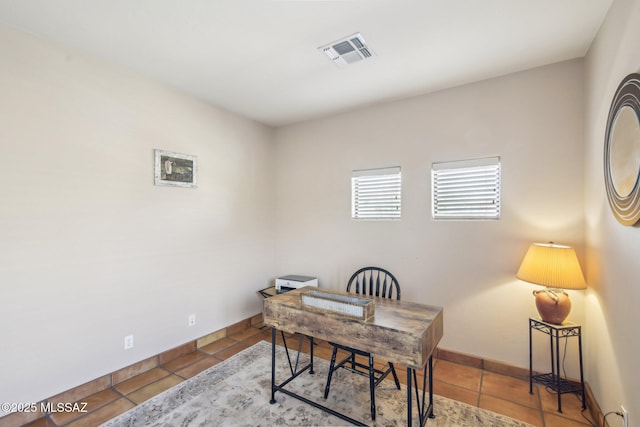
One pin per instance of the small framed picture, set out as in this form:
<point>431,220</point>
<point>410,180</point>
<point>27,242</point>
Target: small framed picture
<point>175,169</point>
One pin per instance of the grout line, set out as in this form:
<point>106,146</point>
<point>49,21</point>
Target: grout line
<point>48,418</point>
<point>480,388</point>
<point>537,388</point>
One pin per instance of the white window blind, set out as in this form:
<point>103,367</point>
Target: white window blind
<point>467,189</point>
<point>375,193</point>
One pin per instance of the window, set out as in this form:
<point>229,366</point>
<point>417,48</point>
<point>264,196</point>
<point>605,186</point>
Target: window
<point>468,189</point>
<point>375,193</point>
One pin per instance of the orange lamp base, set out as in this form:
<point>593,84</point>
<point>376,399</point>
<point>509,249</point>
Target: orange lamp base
<point>553,305</point>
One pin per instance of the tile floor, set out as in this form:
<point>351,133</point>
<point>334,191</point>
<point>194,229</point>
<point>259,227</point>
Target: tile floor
<point>495,392</point>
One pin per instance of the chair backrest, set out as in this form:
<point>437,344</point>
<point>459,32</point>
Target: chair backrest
<point>374,281</point>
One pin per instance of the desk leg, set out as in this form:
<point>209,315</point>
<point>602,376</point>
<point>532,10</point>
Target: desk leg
<point>273,366</point>
<point>311,371</point>
<point>424,411</point>
<point>431,415</point>
<point>409,399</point>
<point>293,369</point>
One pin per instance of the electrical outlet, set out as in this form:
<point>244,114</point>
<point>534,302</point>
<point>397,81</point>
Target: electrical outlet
<point>128,342</point>
<point>625,416</point>
<point>192,319</point>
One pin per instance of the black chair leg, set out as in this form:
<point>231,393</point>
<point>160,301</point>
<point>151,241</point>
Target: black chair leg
<point>372,387</point>
<point>331,369</point>
<point>395,376</point>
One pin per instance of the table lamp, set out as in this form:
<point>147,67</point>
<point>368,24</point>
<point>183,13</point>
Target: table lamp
<point>557,268</point>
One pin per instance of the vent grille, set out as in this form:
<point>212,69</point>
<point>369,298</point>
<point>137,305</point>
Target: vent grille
<point>347,50</point>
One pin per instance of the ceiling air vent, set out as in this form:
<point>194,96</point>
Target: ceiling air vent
<point>348,50</point>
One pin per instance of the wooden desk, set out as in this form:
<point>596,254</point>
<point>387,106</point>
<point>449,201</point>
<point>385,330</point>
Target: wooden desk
<point>401,332</point>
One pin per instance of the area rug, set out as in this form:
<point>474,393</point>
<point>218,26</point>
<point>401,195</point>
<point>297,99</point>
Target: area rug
<point>236,392</point>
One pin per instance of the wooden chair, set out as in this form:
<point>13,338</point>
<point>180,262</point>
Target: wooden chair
<point>380,283</point>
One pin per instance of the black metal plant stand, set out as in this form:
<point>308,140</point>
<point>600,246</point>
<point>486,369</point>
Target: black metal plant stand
<point>553,379</point>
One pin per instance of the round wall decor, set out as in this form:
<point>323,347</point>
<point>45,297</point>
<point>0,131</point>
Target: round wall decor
<point>622,152</point>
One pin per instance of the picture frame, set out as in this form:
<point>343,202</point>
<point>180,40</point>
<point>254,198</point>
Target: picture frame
<point>175,169</point>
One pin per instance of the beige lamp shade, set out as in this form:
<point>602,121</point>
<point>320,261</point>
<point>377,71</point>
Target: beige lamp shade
<point>554,266</point>
<point>557,268</point>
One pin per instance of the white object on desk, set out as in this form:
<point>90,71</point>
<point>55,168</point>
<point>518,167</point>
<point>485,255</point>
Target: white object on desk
<point>294,282</point>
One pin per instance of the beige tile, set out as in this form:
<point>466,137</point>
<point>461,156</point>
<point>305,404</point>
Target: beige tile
<point>141,380</point>
<point>18,419</point>
<point>176,352</point>
<point>559,420</point>
<point>230,351</point>
<point>317,341</point>
<point>84,390</point>
<point>133,370</point>
<point>244,333</point>
<point>89,404</point>
<point>509,388</point>
<point>40,422</point>
<point>198,367</point>
<point>322,353</point>
<point>593,408</point>
<point>154,389</point>
<point>184,361</point>
<point>459,375</point>
<point>219,345</point>
<point>571,404</point>
<point>212,337</point>
<point>450,391</point>
<point>265,333</point>
<point>253,339</point>
<point>256,320</point>
<point>511,409</point>
<point>103,414</point>
<point>459,358</point>
<point>236,327</point>
<point>504,369</point>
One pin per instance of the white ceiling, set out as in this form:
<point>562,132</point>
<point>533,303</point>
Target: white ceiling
<point>259,58</point>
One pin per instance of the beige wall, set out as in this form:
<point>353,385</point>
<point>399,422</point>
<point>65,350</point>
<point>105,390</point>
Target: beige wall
<point>613,344</point>
<point>532,120</point>
<point>90,249</point>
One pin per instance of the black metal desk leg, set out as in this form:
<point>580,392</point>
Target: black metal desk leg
<point>311,371</point>
<point>409,378</point>
<point>273,366</point>
<point>431,414</point>
<point>425,409</point>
